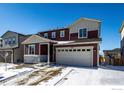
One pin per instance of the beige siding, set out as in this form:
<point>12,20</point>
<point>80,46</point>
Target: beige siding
<point>122,37</point>
<point>122,34</point>
<point>9,35</point>
<point>90,25</point>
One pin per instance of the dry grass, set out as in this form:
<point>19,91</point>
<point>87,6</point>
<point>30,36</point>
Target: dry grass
<point>48,76</point>
<point>40,75</point>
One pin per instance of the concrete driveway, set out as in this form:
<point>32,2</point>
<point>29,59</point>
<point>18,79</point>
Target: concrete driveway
<point>87,76</point>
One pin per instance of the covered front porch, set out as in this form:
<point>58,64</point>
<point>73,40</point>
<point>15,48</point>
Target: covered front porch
<point>38,49</point>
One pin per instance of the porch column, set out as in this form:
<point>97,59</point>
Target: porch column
<point>12,61</point>
<point>24,49</point>
<point>39,49</point>
<point>48,61</point>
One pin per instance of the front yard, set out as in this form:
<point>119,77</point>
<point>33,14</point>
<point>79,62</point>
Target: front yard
<point>43,75</point>
<point>27,74</point>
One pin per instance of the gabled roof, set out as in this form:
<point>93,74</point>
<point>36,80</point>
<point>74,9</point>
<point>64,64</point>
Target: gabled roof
<point>121,27</point>
<point>81,19</point>
<point>37,39</point>
<point>12,32</point>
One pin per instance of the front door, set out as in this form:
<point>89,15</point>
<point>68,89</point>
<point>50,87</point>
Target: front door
<point>44,52</point>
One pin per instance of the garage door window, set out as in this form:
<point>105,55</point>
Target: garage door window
<point>74,50</point>
<point>62,50</point>
<point>66,50</point>
<point>88,49</point>
<point>83,49</point>
<point>70,50</point>
<point>58,50</point>
<point>78,49</point>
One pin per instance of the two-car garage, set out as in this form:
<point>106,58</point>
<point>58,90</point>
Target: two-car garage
<point>75,56</point>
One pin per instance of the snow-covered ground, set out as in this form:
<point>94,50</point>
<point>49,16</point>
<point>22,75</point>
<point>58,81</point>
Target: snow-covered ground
<point>29,75</point>
<point>89,76</point>
<point>61,75</point>
<point>10,72</point>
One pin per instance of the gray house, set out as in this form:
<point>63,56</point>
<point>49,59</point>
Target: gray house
<point>10,43</point>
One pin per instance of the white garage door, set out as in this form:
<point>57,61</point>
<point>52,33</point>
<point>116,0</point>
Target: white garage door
<point>77,56</point>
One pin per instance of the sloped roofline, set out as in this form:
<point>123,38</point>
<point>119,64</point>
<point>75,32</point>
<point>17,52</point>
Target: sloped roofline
<point>121,27</point>
<point>84,19</point>
<point>37,36</point>
<point>12,32</point>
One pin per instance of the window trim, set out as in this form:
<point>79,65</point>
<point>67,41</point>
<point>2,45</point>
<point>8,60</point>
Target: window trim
<point>53,34</point>
<point>6,41</point>
<point>83,36</point>
<point>29,49</point>
<point>45,34</point>
<point>61,34</point>
<point>14,40</point>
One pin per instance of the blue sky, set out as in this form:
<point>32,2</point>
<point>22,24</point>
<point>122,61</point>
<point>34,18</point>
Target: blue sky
<point>32,18</point>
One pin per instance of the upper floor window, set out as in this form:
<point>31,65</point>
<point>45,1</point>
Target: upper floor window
<point>14,40</point>
<point>53,34</point>
<point>31,49</point>
<point>9,41</point>
<point>62,33</point>
<point>82,33</point>
<point>6,41</point>
<point>46,35</point>
<point>1,43</point>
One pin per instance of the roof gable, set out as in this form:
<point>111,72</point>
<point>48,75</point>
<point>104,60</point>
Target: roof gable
<point>36,39</point>
<point>11,32</point>
<point>82,19</point>
<point>121,27</point>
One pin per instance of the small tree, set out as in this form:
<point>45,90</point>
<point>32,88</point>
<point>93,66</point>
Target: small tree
<point>4,56</point>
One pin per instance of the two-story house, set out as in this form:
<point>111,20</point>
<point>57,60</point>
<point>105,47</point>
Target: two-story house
<point>77,44</point>
<point>122,43</point>
<point>10,42</point>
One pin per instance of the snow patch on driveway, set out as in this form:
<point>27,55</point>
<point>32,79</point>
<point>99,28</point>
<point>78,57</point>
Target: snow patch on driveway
<point>88,76</point>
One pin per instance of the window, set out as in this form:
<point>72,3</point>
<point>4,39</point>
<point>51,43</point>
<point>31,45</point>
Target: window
<point>66,50</point>
<point>82,33</point>
<point>88,49</point>
<point>46,35</point>
<point>62,33</point>
<point>9,41</point>
<point>74,50</point>
<point>70,50</point>
<point>31,49</point>
<point>53,34</point>
<point>6,41</point>
<point>78,49</point>
<point>14,40</point>
<point>62,50</point>
<point>83,49</point>
<point>58,50</point>
<point>1,45</point>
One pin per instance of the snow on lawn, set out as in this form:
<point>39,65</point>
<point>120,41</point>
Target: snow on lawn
<point>55,80</point>
<point>42,75</point>
<point>4,75</point>
<point>36,76</point>
<point>7,74</point>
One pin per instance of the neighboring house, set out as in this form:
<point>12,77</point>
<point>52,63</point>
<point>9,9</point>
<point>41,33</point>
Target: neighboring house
<point>122,42</point>
<point>77,45</point>
<point>10,42</point>
<point>112,56</point>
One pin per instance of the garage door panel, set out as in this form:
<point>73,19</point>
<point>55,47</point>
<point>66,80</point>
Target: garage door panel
<point>78,57</point>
